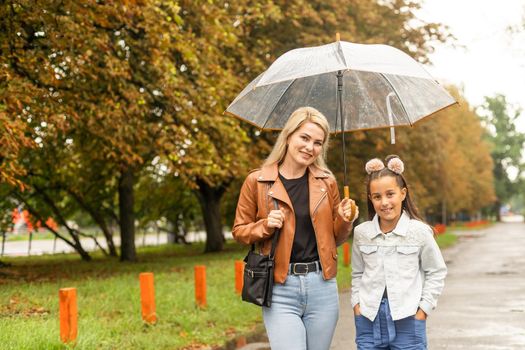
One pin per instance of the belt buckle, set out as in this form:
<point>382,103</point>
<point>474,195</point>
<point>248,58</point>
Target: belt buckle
<point>300,273</point>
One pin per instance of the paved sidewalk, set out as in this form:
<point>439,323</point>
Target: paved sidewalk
<point>49,246</point>
<point>483,304</point>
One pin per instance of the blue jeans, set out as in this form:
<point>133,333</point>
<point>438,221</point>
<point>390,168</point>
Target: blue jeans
<point>304,313</point>
<point>385,333</point>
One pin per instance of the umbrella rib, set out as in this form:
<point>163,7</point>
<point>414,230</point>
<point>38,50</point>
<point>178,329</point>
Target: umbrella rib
<point>340,49</point>
<point>399,97</point>
<point>276,103</point>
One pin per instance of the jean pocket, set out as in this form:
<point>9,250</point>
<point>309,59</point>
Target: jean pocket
<point>363,327</point>
<point>420,330</point>
<point>358,320</point>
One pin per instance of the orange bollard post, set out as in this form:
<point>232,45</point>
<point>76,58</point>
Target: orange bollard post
<point>346,254</point>
<point>239,271</point>
<point>200,285</point>
<point>68,312</point>
<point>241,342</point>
<point>147,297</point>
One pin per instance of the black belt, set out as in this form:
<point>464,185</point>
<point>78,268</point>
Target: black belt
<point>304,268</point>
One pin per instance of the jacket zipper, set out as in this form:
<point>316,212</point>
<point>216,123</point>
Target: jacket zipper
<point>318,203</point>
<point>315,232</point>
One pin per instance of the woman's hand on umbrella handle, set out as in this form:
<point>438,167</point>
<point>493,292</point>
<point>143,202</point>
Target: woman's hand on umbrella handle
<point>348,210</point>
<point>275,219</point>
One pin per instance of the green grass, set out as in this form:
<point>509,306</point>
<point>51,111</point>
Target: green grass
<point>446,239</point>
<point>48,235</point>
<point>109,299</point>
<point>449,238</point>
<point>466,228</point>
<point>25,236</point>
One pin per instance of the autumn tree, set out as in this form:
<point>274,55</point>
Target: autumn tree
<point>101,76</point>
<point>453,162</point>
<point>124,83</point>
<point>243,39</point>
<point>12,138</point>
<point>448,163</point>
<point>164,203</point>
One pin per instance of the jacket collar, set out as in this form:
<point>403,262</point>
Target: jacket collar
<point>401,228</point>
<point>271,172</point>
<point>316,187</point>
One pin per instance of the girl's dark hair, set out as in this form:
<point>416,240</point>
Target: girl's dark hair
<point>407,205</point>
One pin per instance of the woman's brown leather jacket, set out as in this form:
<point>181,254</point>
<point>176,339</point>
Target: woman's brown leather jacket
<point>256,202</point>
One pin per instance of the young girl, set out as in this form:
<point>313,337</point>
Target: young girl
<point>398,271</point>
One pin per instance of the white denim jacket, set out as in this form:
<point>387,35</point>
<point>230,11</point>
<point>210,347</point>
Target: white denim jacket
<point>407,261</point>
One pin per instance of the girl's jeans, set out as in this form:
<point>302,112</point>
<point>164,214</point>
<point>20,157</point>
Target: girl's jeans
<point>303,314</point>
<point>384,333</point>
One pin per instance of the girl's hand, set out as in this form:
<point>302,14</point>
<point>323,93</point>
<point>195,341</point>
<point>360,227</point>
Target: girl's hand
<point>420,315</point>
<point>357,310</point>
<point>275,219</point>
<point>348,210</point>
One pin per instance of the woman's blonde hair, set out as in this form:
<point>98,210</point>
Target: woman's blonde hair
<point>299,117</point>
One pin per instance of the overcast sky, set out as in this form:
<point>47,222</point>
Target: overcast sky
<point>492,60</point>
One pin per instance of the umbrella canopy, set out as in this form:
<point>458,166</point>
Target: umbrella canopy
<point>381,87</point>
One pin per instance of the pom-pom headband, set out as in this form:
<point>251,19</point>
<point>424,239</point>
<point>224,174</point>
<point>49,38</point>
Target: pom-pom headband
<point>394,164</point>
<point>374,165</point>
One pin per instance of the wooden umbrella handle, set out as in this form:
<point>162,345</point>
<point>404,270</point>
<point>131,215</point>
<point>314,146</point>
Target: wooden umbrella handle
<point>352,211</point>
<point>346,191</point>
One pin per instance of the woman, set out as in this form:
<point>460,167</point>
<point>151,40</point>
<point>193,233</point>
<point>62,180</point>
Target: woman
<point>398,271</point>
<point>313,221</point>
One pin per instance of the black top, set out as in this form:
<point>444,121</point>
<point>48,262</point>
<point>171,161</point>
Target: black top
<point>304,243</point>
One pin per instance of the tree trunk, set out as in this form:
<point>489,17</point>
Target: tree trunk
<point>444,212</point>
<point>58,215</point>
<point>496,208</point>
<point>98,217</point>
<point>210,199</point>
<point>80,250</point>
<point>127,216</point>
<point>107,234</point>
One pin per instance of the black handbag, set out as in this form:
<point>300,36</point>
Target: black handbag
<point>258,274</point>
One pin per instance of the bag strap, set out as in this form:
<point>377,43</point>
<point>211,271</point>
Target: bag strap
<point>276,234</point>
<point>275,237</point>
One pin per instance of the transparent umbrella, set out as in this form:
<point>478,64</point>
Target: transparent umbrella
<point>356,86</point>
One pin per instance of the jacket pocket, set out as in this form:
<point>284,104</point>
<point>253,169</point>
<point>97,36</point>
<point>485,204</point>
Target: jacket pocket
<point>368,249</point>
<point>370,256</point>
<point>408,258</point>
<point>407,249</point>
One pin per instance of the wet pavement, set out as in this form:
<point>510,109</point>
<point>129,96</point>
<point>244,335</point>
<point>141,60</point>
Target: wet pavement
<point>483,304</point>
